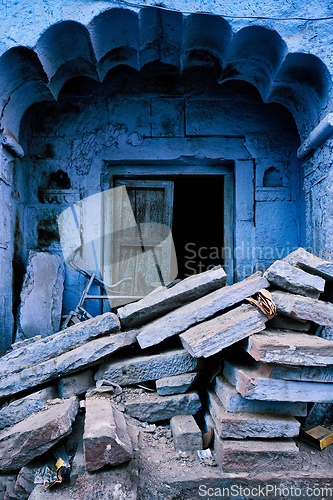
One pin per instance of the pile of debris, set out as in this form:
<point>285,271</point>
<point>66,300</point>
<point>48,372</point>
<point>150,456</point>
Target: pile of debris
<point>197,357</point>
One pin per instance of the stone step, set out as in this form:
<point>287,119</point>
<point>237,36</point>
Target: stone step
<point>77,359</point>
<point>177,384</point>
<point>165,299</point>
<point>216,334</point>
<point>186,433</point>
<point>234,402</point>
<point>36,434</point>
<point>181,319</point>
<point>292,279</point>
<point>37,350</point>
<point>249,425</point>
<point>143,368</point>
<point>303,308</point>
<point>311,263</point>
<point>253,383</point>
<point>105,440</point>
<point>288,347</point>
<point>284,323</point>
<point>151,407</point>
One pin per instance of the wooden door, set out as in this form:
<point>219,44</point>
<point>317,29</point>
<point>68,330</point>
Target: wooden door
<point>142,246</point>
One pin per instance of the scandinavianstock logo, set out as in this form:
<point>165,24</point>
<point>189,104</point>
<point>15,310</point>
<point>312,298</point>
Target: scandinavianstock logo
<point>100,234</point>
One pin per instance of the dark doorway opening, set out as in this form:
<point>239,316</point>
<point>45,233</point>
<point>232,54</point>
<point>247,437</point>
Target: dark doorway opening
<point>197,227</point>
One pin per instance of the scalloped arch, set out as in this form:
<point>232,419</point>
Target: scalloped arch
<point>301,82</point>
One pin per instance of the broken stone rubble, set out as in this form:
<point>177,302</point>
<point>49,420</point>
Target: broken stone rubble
<point>258,409</point>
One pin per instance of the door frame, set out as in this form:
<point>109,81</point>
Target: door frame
<point>161,169</point>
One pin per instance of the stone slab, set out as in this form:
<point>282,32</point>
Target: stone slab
<point>255,384</point>
<point>178,384</point>
<point>292,279</point>
<point>195,312</point>
<point>142,368</point>
<point>35,351</point>
<point>165,299</point>
<point>216,334</point>
<point>250,425</point>
<point>311,263</point>
<point>284,323</point>
<point>69,362</point>
<point>234,402</point>
<point>301,373</point>
<point>76,384</point>
<point>151,407</point>
<point>35,435</point>
<point>22,408</point>
<point>41,296</point>
<point>105,440</point>
<point>304,308</point>
<point>288,347</point>
<point>186,433</point>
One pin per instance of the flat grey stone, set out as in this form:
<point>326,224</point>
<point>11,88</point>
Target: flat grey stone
<point>255,384</point>
<point>105,440</point>
<point>36,434</point>
<point>214,335</point>
<point>177,384</point>
<point>311,263</point>
<point>301,373</point>
<point>304,308</point>
<point>291,348</point>
<point>35,351</point>
<point>186,433</point>
<point>199,310</point>
<point>292,279</point>
<point>41,296</point>
<point>76,384</point>
<point>249,425</point>
<point>165,299</point>
<point>285,323</point>
<point>151,407</point>
<point>234,402</point>
<point>22,408</point>
<point>142,368</point>
<point>69,362</point>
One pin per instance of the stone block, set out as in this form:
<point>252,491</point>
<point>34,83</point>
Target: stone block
<point>310,263</point>
<point>177,384</point>
<point>76,384</point>
<point>142,368</point>
<point>37,350</point>
<point>167,117</point>
<point>284,323</point>
<point>105,440</point>
<point>22,408</point>
<point>186,433</point>
<point>195,312</point>
<point>234,402</point>
<point>255,384</point>
<point>303,308</point>
<point>164,299</point>
<point>250,425</point>
<point>214,335</point>
<point>292,279</point>
<point>151,407</point>
<point>41,296</point>
<point>291,348</point>
<point>36,434</point>
<point>77,359</point>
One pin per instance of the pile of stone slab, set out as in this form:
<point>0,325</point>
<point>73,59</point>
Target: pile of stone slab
<point>149,362</point>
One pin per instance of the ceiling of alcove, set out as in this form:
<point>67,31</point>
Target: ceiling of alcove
<point>119,37</point>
